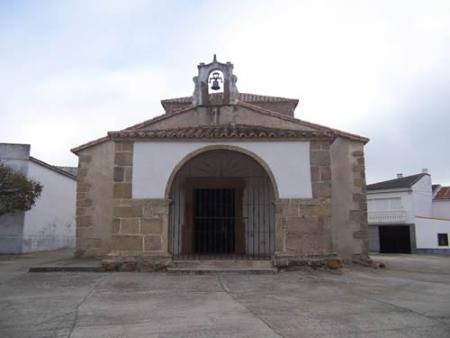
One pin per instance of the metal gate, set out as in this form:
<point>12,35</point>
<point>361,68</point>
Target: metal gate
<point>214,221</point>
<point>222,222</point>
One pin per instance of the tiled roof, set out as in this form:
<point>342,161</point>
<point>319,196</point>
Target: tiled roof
<point>304,123</point>
<point>403,182</point>
<point>443,194</point>
<point>264,111</point>
<point>315,127</point>
<point>179,103</point>
<point>219,132</point>
<point>257,109</point>
<point>246,97</point>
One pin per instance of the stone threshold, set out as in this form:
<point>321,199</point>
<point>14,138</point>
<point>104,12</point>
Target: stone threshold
<point>221,271</point>
<point>221,266</point>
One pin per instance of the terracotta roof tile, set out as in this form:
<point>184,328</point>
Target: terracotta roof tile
<point>303,123</point>
<point>246,97</point>
<point>287,105</point>
<point>318,129</point>
<point>264,110</point>
<point>219,132</point>
<point>443,194</point>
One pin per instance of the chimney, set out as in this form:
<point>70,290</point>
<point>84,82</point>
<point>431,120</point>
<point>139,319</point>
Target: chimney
<point>425,171</point>
<point>399,175</point>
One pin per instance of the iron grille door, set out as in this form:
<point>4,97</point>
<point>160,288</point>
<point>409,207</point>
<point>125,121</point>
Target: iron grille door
<point>214,221</point>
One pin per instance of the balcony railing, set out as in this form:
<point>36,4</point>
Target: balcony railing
<point>387,217</point>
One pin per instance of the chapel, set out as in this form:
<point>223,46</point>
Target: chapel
<point>222,175</point>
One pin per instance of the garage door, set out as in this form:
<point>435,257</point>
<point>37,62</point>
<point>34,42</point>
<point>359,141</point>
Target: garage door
<point>395,239</point>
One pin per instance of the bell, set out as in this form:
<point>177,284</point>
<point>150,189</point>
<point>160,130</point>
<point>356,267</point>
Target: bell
<point>215,78</point>
<point>215,85</point>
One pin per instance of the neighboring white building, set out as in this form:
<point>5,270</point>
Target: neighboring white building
<point>408,214</point>
<point>441,202</point>
<point>50,224</point>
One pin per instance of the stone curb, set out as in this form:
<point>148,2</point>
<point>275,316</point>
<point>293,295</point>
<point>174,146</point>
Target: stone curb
<point>66,269</point>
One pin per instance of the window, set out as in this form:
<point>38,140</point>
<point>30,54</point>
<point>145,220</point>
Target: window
<point>385,204</point>
<point>443,239</point>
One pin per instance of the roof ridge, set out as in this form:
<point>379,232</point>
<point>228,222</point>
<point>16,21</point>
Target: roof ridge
<point>52,167</point>
<point>402,182</point>
<point>274,98</point>
<point>159,118</point>
<point>403,177</point>
<point>242,97</point>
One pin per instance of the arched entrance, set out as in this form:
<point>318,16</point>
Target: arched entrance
<point>221,205</point>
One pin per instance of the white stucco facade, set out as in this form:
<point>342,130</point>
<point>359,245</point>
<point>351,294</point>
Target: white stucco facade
<point>427,230</point>
<point>154,162</point>
<point>422,197</point>
<point>441,209</point>
<point>50,224</point>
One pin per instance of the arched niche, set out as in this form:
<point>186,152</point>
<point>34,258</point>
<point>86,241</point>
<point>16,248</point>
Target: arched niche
<point>221,204</point>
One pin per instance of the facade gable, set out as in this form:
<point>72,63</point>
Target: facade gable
<point>239,114</point>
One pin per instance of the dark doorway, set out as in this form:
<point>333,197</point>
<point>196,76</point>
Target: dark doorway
<point>214,221</point>
<point>395,239</point>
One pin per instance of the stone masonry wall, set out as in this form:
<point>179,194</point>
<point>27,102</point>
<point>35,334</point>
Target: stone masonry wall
<point>304,225</point>
<point>139,226</point>
<point>358,214</point>
<point>109,221</point>
<point>349,205</point>
<point>94,201</point>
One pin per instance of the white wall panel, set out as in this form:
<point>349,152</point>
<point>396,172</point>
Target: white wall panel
<point>427,230</point>
<point>154,162</point>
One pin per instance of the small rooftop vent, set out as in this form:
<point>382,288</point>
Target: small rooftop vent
<point>425,171</point>
<point>399,175</point>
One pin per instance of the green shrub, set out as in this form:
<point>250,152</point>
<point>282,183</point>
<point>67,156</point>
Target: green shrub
<point>17,193</point>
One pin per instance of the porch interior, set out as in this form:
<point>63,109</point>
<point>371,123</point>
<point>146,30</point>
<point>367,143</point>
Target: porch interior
<point>222,212</point>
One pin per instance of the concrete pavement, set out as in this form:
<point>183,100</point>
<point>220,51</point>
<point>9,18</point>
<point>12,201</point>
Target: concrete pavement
<point>410,298</point>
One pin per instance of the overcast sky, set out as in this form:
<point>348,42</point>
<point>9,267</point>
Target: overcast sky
<point>72,70</point>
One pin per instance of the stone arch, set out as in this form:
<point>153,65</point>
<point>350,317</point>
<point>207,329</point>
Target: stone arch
<point>199,184</point>
<point>205,149</point>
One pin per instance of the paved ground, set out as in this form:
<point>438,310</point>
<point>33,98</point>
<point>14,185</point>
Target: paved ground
<point>411,298</point>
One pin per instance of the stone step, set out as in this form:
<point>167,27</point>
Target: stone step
<point>71,264</point>
<point>66,269</point>
<point>222,265</point>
